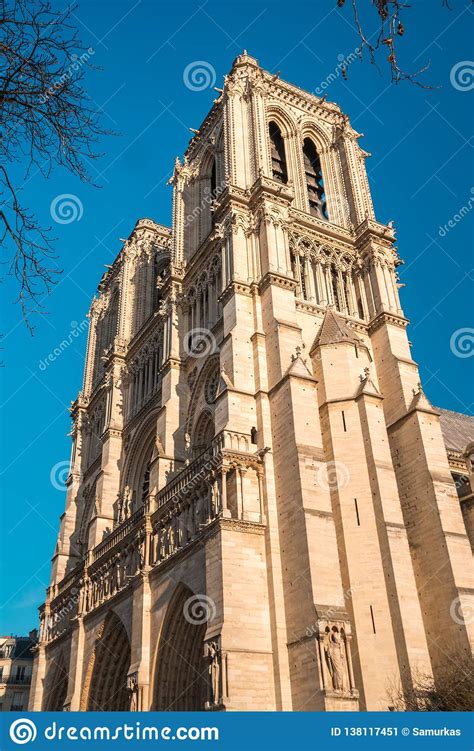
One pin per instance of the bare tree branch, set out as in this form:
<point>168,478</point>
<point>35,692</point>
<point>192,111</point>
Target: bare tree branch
<point>453,690</point>
<point>46,120</point>
<point>391,28</point>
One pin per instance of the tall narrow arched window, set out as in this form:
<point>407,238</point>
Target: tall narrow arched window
<point>214,179</point>
<point>279,169</point>
<point>314,180</point>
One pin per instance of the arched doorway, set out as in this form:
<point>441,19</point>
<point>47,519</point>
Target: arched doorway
<point>180,671</point>
<point>109,668</point>
<point>56,686</point>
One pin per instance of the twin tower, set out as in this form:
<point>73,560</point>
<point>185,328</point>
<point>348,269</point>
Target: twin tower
<point>260,511</point>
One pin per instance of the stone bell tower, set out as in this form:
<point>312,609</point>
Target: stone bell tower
<point>252,439</point>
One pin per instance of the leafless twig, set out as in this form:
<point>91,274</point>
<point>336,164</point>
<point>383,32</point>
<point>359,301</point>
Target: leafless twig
<point>46,119</point>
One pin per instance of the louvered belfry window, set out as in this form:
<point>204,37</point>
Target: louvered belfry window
<point>314,180</point>
<point>279,169</point>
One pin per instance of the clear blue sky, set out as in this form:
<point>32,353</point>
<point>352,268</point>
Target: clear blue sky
<point>420,173</point>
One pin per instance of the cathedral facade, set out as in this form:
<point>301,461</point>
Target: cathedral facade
<point>262,508</point>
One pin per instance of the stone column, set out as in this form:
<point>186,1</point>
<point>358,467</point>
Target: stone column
<point>225,509</point>
<point>139,671</point>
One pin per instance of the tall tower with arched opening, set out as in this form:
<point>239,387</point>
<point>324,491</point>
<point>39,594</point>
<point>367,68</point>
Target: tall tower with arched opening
<point>261,512</point>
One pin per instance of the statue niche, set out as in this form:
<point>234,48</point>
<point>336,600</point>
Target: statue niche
<point>335,658</point>
<point>216,674</point>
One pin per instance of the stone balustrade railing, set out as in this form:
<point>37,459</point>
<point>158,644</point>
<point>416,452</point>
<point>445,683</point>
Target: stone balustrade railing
<point>224,481</point>
<point>118,534</point>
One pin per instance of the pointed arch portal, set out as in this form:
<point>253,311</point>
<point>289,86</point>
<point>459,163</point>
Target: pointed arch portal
<point>109,669</point>
<point>180,673</point>
<point>57,686</point>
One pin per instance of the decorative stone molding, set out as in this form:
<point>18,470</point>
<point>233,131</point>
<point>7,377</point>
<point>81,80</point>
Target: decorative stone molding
<point>278,280</point>
<point>384,318</point>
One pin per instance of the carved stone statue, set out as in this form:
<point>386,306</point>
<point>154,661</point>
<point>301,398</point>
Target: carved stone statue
<point>127,502</point>
<point>335,656</point>
<point>141,553</point>
<point>132,688</point>
<point>214,670</point>
<point>187,448</point>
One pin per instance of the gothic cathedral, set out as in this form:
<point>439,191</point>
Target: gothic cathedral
<point>262,508</point>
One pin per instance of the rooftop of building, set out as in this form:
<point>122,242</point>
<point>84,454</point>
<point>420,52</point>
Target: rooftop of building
<point>457,429</point>
<point>20,647</point>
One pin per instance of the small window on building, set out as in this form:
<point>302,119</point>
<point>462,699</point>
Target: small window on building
<point>17,702</point>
